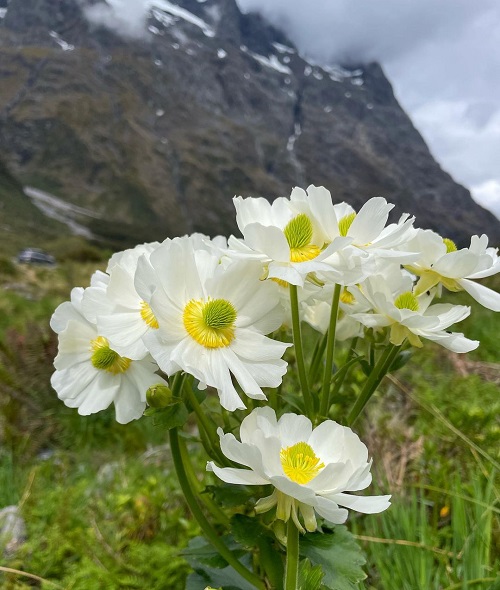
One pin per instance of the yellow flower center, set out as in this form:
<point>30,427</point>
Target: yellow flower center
<point>300,463</point>
<point>298,233</point>
<point>345,224</point>
<point>105,359</point>
<point>450,245</point>
<point>148,316</point>
<point>211,322</point>
<point>407,301</point>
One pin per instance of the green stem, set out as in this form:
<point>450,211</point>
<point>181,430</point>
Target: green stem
<point>378,373</point>
<point>299,352</point>
<point>205,499</point>
<point>319,351</point>
<point>292,557</point>
<point>205,526</point>
<point>330,345</point>
<point>204,425</point>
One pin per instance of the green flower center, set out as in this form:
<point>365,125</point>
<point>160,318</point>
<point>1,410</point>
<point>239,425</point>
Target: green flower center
<point>210,323</point>
<point>345,224</point>
<point>105,359</point>
<point>450,245</point>
<point>407,301</point>
<point>300,462</point>
<point>298,233</point>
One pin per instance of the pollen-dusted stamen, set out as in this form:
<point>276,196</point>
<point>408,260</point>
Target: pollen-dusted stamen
<point>450,245</point>
<point>210,322</point>
<point>105,359</point>
<point>281,282</point>
<point>347,297</point>
<point>345,223</point>
<point>148,316</point>
<point>300,463</point>
<point>407,301</point>
<point>298,233</point>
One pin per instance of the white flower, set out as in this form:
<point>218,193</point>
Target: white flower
<point>130,257</point>
<point>286,235</point>
<point>317,312</point>
<point>394,305</point>
<point>121,315</point>
<point>90,375</point>
<point>310,469</point>
<point>441,262</point>
<point>212,317</point>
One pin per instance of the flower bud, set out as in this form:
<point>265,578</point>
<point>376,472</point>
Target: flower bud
<point>159,396</point>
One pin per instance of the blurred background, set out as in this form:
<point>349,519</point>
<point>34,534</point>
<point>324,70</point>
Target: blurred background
<point>123,121</point>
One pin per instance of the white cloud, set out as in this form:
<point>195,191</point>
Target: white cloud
<point>487,194</point>
<point>126,17</point>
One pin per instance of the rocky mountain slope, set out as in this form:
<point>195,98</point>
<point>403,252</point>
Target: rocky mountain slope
<point>156,134</point>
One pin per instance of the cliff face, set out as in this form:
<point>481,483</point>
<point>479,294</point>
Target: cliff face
<point>156,134</point>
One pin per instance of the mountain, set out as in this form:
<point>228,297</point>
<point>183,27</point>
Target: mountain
<point>155,134</point>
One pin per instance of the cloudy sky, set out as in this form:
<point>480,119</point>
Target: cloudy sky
<point>442,57</point>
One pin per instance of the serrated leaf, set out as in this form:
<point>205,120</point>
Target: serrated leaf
<point>247,530</point>
<point>310,577</point>
<point>173,416</point>
<point>211,569</point>
<point>338,554</point>
<point>198,550</point>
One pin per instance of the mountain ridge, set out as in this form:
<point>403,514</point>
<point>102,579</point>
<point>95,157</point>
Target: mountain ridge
<point>157,134</point>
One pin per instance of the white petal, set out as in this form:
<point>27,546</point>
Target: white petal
<point>261,421</point>
<point>242,374</point>
<point>128,405</point>
<point>456,265</point>
<point>236,476</point>
<point>252,210</point>
<point>456,342</point>
<point>252,346</point>
<point>364,504</point>
<point>121,288</point>
<point>487,297</point>
<point>370,220</point>
<point>269,240</point>
<point>63,314</point>
<point>294,428</point>
<point>330,511</point>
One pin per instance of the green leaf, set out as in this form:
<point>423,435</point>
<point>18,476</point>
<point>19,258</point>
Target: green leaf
<point>229,496</point>
<point>210,569</point>
<point>247,530</point>
<point>310,577</point>
<point>174,416</point>
<point>339,556</point>
<point>401,359</point>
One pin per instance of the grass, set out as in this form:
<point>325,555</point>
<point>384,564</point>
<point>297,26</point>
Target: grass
<point>103,509</point>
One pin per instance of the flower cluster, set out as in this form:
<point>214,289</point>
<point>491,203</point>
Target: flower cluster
<point>221,311</point>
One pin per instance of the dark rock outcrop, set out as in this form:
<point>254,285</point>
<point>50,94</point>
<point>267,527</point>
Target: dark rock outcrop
<point>157,134</point>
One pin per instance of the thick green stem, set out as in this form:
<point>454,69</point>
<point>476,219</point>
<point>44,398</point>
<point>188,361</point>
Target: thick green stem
<point>292,557</point>
<point>330,346</point>
<point>205,526</point>
<point>379,371</point>
<point>299,352</point>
